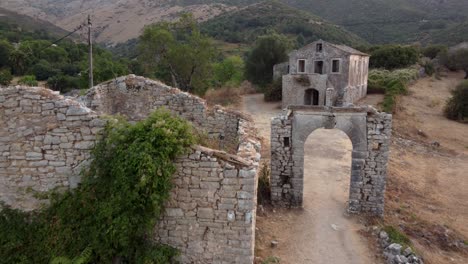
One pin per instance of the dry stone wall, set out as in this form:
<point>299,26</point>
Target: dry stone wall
<point>45,140</point>
<point>136,97</point>
<point>368,130</point>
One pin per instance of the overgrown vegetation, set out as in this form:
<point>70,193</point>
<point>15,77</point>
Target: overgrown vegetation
<point>274,91</point>
<point>264,190</point>
<point>269,50</point>
<point>114,209</point>
<point>246,24</point>
<point>392,84</point>
<point>393,56</point>
<point>396,236</point>
<point>34,54</point>
<point>457,106</point>
<point>178,53</point>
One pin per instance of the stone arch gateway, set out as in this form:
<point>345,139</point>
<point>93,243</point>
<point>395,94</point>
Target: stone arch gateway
<point>369,132</point>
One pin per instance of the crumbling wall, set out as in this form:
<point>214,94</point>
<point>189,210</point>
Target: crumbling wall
<point>136,97</point>
<point>368,130</point>
<point>45,140</point>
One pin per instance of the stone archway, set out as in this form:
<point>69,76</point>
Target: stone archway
<point>369,132</point>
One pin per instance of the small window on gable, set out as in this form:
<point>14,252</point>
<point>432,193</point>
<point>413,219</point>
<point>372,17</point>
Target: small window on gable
<point>319,47</point>
<point>301,66</point>
<point>336,66</point>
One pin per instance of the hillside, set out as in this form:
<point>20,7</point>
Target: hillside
<point>245,25</point>
<point>114,21</point>
<point>389,21</point>
<point>376,21</point>
<point>13,19</point>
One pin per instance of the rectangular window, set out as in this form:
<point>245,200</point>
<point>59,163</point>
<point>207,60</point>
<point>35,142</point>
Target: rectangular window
<point>336,66</point>
<point>319,47</point>
<point>301,66</point>
<point>286,142</point>
<point>318,67</point>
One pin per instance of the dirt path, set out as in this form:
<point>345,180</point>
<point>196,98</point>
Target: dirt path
<point>320,232</point>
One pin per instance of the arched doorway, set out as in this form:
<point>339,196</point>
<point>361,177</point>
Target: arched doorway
<point>327,171</point>
<point>311,97</point>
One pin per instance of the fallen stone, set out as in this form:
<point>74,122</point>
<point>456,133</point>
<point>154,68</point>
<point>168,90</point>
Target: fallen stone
<point>274,244</point>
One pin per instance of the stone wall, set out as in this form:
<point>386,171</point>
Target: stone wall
<point>369,132</point>
<point>45,140</point>
<point>136,97</point>
<point>295,86</point>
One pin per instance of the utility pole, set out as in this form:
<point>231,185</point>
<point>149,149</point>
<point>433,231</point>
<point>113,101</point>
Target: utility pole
<point>90,44</point>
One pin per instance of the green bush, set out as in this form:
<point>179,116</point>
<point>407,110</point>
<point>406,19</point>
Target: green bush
<point>5,77</point>
<point>393,56</point>
<point>65,83</point>
<point>264,190</point>
<point>433,50</point>
<point>397,236</point>
<point>457,106</point>
<point>274,91</point>
<point>391,83</point>
<point>29,80</point>
<point>115,207</point>
<point>429,68</point>
<point>43,70</point>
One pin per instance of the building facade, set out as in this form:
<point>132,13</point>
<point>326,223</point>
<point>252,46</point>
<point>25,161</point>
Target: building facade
<point>323,73</point>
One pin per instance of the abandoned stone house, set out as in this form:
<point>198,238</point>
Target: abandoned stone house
<point>323,73</point>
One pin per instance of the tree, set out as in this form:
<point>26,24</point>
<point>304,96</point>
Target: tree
<point>19,61</point>
<point>178,53</point>
<point>457,105</point>
<point>230,70</point>
<point>393,56</point>
<point>5,77</point>
<point>269,50</point>
<point>5,50</point>
<point>456,60</point>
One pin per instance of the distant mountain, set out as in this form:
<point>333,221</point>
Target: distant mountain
<point>29,23</point>
<point>246,24</point>
<point>389,21</point>
<point>377,21</point>
<point>113,21</point>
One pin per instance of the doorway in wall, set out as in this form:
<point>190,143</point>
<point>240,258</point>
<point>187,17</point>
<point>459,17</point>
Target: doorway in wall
<point>311,97</point>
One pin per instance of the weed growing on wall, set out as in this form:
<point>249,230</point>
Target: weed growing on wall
<point>116,206</point>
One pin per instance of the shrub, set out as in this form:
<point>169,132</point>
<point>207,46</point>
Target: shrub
<point>43,70</point>
<point>397,236</point>
<point>224,96</point>
<point>433,50</point>
<point>274,91</point>
<point>392,57</point>
<point>5,77</point>
<point>457,106</point>
<point>64,83</point>
<point>121,196</point>
<point>429,68</point>
<point>29,80</point>
<point>391,83</point>
<point>263,194</point>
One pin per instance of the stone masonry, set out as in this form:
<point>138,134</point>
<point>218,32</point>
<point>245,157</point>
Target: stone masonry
<point>369,132</point>
<point>45,141</point>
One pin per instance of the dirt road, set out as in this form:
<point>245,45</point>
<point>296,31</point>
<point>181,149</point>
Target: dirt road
<point>320,232</point>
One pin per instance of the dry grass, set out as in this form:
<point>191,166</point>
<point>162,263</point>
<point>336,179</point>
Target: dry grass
<point>228,96</point>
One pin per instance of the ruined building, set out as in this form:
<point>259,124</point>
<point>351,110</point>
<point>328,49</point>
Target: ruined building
<point>323,73</point>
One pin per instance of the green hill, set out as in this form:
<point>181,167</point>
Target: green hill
<point>389,21</point>
<point>246,24</point>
